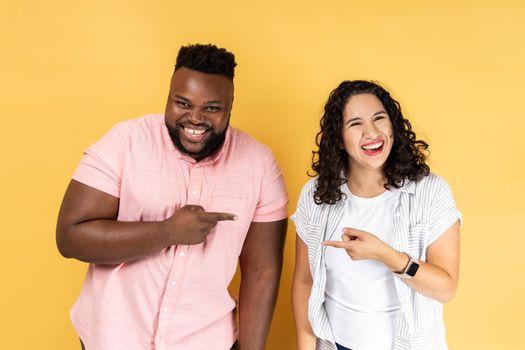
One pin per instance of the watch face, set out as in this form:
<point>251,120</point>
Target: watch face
<point>412,269</point>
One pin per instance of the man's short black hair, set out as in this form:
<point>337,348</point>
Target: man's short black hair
<point>207,59</point>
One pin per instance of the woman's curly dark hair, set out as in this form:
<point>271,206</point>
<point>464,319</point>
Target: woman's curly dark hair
<point>330,163</point>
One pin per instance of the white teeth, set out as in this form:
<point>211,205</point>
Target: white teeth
<point>373,146</point>
<point>194,131</point>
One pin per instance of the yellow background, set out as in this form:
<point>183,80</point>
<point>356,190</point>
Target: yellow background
<point>72,69</point>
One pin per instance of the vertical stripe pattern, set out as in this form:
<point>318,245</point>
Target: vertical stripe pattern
<point>424,211</point>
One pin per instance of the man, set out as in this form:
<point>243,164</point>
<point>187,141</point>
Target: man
<point>162,207</point>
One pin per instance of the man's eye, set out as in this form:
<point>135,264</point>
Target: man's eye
<point>182,104</point>
<point>212,108</point>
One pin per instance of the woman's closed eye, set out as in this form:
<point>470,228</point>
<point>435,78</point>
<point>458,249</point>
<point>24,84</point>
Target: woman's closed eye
<point>353,122</point>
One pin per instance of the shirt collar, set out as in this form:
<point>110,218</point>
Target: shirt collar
<point>408,187</point>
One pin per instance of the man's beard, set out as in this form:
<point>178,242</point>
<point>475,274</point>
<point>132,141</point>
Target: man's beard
<point>215,141</point>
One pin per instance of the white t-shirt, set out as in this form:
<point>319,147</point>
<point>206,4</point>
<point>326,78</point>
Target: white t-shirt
<point>361,300</point>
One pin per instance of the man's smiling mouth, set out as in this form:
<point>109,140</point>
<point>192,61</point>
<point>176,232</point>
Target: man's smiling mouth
<point>194,133</point>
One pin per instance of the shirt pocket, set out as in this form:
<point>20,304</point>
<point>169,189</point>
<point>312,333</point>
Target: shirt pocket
<point>235,230</point>
<point>227,238</point>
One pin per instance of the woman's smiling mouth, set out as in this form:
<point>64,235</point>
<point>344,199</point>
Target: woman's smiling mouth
<point>373,148</point>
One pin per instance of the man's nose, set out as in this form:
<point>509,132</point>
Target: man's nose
<point>196,116</point>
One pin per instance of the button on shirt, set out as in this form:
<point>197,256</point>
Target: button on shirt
<point>176,298</point>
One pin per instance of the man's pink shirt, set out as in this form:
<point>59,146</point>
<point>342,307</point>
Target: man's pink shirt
<point>176,298</point>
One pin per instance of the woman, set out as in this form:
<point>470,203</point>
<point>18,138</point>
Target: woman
<point>378,252</point>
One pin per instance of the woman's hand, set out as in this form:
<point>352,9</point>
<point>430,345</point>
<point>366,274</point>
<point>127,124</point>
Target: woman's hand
<point>437,277</point>
<point>362,245</point>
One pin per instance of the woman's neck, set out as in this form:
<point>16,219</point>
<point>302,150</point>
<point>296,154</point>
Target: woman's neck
<point>366,183</point>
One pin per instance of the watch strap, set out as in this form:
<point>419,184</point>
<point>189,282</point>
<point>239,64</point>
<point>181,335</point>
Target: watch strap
<point>410,269</point>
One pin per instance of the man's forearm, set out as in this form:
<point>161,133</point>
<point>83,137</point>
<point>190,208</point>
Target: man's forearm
<point>110,241</point>
<point>258,294</point>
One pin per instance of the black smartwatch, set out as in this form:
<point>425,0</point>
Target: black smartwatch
<point>410,270</point>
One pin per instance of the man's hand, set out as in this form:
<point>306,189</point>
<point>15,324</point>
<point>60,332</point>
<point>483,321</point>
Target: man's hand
<point>191,224</point>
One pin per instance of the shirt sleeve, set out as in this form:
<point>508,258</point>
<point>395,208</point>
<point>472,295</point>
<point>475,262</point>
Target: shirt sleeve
<point>300,217</point>
<point>102,164</point>
<point>443,211</point>
<point>272,204</point>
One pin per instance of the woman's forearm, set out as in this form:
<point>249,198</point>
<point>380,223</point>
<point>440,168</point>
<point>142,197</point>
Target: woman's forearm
<point>433,282</point>
<point>437,278</point>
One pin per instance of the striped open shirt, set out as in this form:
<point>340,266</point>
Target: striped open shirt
<point>423,211</point>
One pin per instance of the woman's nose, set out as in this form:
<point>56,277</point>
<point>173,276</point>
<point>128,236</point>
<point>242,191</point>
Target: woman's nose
<point>370,130</point>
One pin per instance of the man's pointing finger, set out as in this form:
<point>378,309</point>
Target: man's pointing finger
<point>215,217</point>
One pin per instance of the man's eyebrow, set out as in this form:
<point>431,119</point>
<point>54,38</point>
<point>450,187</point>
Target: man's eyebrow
<point>212,102</point>
<point>181,98</point>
